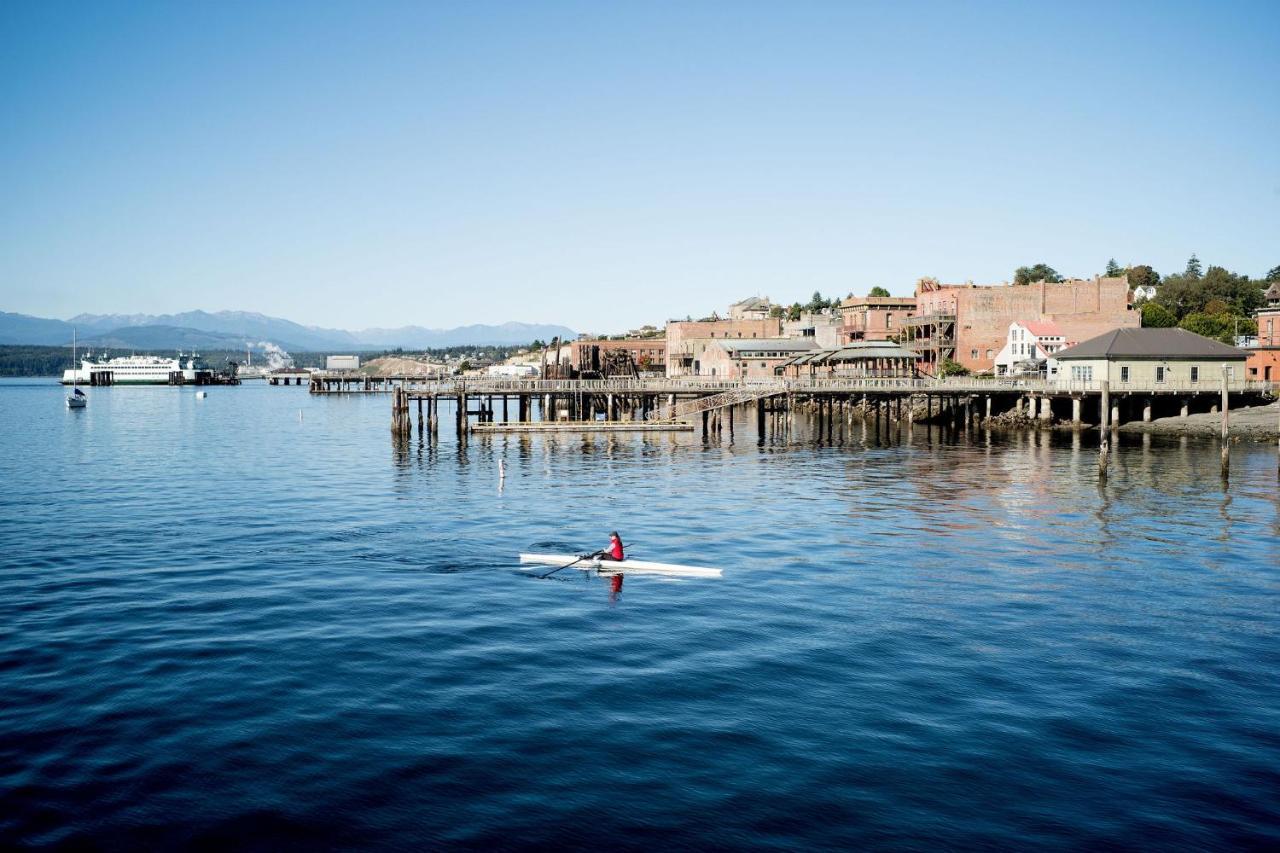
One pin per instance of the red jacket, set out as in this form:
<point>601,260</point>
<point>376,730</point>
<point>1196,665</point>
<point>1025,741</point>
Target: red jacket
<point>615,548</point>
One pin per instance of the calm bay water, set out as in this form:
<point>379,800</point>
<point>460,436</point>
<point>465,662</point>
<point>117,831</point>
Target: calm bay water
<point>225,623</point>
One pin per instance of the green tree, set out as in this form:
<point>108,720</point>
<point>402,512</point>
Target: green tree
<point>952,368</point>
<point>1156,316</point>
<point>777,311</point>
<point>1184,294</point>
<point>878,291</point>
<point>1039,272</point>
<point>794,312</point>
<point>1114,269</point>
<point>1220,327</point>
<point>817,303</point>
<point>1273,274</point>
<point>1143,276</point>
<point>1193,267</point>
<point>537,344</point>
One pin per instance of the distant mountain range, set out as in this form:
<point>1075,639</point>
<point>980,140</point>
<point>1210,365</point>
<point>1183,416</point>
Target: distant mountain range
<point>234,329</point>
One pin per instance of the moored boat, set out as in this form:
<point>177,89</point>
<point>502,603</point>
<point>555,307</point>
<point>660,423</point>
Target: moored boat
<point>76,399</point>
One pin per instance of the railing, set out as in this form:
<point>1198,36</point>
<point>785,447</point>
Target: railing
<point>745,394</point>
<point>751,389</point>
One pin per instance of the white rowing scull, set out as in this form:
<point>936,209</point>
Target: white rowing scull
<point>639,567</point>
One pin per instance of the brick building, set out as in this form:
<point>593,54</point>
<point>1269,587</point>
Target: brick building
<point>687,341</point>
<point>874,318</point>
<point>970,323</point>
<point>1264,359</point>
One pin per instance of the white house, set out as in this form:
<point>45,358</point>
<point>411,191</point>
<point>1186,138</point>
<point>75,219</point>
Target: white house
<point>1029,341</point>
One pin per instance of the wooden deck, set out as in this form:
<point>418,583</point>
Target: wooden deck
<point>582,426</point>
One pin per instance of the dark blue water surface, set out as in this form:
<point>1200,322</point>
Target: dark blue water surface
<point>223,622</point>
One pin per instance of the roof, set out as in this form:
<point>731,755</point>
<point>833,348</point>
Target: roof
<point>879,302</point>
<point>854,352</point>
<point>1272,292</point>
<point>1151,343</point>
<point>753,302</point>
<point>871,349</point>
<point>1042,328</point>
<point>787,345</point>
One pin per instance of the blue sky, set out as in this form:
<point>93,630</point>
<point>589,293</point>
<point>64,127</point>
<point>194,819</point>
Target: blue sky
<point>609,164</point>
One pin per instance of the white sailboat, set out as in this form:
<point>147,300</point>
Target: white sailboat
<point>76,399</point>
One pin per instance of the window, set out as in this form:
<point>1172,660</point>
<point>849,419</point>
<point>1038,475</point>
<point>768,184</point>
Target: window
<point>1195,374</point>
<point>1081,373</point>
<point>988,353</point>
<point>1159,372</point>
<point>1124,373</point>
<point>973,353</point>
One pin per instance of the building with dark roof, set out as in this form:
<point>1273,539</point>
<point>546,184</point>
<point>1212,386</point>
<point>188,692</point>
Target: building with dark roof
<point>1150,358</point>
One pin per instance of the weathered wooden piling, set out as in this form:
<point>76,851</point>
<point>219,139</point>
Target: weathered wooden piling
<point>1104,430</point>
<point>1226,423</point>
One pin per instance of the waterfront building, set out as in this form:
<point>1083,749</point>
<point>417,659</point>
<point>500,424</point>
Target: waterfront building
<point>874,318</point>
<point>735,358</point>
<point>969,323</point>
<point>857,360</point>
<point>1264,355</point>
<point>1149,358</point>
<point>1029,347</point>
<point>688,340</point>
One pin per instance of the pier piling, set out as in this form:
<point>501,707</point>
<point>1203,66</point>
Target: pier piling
<point>1104,431</point>
<point>1226,424</point>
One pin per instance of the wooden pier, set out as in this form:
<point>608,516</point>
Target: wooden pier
<point>646,405</point>
<point>583,426</point>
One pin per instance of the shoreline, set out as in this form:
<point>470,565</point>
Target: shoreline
<point>1258,423</point>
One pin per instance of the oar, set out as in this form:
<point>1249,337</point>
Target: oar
<point>567,565</point>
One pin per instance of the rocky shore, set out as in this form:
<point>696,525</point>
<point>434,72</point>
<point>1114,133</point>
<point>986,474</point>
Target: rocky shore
<point>1255,423</point>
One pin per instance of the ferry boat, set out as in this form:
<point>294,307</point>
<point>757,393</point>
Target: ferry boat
<point>139,370</point>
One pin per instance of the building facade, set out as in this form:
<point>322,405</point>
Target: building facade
<point>1029,343</point>
<point>688,340</point>
<point>823,327</point>
<point>875,318</point>
<point>750,359</point>
<point>969,323</point>
<point>1146,358</point>
<point>1264,357</point>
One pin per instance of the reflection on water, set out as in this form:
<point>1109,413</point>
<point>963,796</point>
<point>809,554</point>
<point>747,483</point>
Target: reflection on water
<point>224,623</point>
